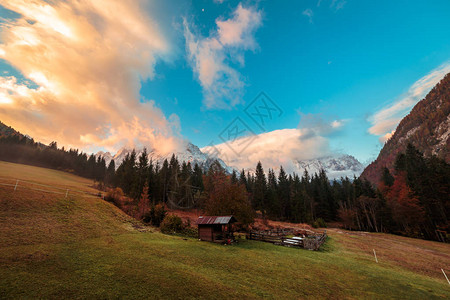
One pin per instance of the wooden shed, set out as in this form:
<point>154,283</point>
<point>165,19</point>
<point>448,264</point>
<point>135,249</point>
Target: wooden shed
<point>215,228</point>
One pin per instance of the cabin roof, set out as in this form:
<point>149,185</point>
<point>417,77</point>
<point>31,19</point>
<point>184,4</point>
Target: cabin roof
<point>220,220</point>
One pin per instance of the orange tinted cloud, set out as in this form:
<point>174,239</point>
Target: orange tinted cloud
<point>88,59</point>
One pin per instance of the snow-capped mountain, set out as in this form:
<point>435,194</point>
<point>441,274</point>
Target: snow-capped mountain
<point>335,166</point>
<point>191,154</point>
<point>293,148</point>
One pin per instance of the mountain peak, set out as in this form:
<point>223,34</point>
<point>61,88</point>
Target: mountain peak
<point>191,153</point>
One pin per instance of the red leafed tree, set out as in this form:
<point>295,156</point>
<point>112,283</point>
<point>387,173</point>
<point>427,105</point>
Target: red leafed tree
<point>227,198</point>
<point>348,217</point>
<point>406,209</point>
<point>144,203</point>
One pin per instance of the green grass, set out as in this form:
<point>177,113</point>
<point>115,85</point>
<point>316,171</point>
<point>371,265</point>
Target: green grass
<point>53,247</point>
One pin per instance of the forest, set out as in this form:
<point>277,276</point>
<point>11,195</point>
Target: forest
<point>18,148</point>
<point>411,201</point>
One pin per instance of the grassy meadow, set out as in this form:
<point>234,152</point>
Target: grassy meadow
<point>84,247</point>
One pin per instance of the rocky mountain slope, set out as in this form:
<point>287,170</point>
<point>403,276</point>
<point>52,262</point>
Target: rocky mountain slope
<point>335,166</point>
<point>427,127</point>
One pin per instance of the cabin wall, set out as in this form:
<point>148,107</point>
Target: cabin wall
<point>205,233</point>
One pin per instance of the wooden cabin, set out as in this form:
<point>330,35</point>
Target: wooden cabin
<point>215,228</point>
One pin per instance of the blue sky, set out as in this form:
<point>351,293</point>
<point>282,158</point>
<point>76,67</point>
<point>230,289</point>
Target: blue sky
<point>345,64</point>
<point>327,61</point>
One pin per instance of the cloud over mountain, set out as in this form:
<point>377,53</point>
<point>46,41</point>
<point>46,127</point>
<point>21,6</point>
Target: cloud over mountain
<point>280,147</point>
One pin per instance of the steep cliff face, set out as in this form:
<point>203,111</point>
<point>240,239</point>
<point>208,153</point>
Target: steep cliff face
<point>427,127</point>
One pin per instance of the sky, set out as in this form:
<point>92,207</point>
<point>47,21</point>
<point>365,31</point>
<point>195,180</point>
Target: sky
<point>315,77</point>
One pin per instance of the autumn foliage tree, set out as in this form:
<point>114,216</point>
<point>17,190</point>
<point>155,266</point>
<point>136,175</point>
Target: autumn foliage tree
<point>417,194</point>
<point>226,198</point>
<point>144,204</point>
<point>405,206</point>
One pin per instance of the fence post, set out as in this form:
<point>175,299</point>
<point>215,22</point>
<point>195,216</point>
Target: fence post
<point>15,187</point>
<point>445,276</point>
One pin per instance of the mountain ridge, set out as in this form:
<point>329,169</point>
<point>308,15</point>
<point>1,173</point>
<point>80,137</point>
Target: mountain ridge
<point>191,153</point>
<point>427,127</point>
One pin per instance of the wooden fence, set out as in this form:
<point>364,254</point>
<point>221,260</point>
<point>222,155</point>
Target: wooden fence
<point>310,242</point>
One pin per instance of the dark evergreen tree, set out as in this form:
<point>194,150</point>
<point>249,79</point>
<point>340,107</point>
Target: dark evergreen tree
<point>260,189</point>
<point>234,178</point>
<point>110,173</point>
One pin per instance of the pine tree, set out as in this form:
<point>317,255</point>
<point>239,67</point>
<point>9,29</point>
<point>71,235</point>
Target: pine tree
<point>260,188</point>
<point>141,174</point>
<point>283,193</point>
<point>165,177</point>
<point>386,178</point>
<point>234,178</point>
<point>91,166</point>
<point>273,204</point>
<point>110,173</point>
<point>243,179</point>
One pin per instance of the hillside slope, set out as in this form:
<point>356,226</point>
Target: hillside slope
<point>6,131</point>
<point>30,216</point>
<point>427,127</point>
<point>83,247</point>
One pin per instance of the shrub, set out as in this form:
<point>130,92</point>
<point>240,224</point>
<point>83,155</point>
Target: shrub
<point>190,231</point>
<point>156,215</point>
<point>172,224</point>
<point>115,196</point>
<point>319,222</point>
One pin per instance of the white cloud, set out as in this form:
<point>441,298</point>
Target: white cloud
<point>337,4</point>
<point>315,125</point>
<point>273,149</point>
<point>309,13</point>
<point>211,57</point>
<point>88,58</point>
<point>280,147</point>
<point>385,121</point>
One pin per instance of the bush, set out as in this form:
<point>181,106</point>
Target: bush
<point>190,231</point>
<point>319,222</point>
<point>115,196</point>
<point>172,224</point>
<point>156,215</point>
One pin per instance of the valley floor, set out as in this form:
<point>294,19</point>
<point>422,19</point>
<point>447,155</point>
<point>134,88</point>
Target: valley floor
<point>83,247</point>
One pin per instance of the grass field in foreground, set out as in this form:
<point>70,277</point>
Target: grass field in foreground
<point>83,247</point>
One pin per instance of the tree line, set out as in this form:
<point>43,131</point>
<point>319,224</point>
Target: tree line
<point>22,149</point>
<point>412,199</point>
